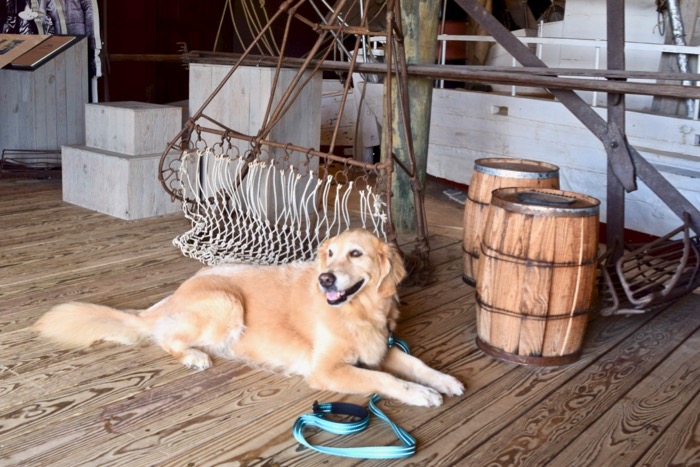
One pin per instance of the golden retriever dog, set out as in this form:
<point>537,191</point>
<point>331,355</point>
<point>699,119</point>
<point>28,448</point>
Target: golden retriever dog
<point>327,320</point>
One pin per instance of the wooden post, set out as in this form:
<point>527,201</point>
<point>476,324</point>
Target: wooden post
<point>419,22</point>
<point>615,218</point>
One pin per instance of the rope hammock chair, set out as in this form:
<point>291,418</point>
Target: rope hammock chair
<point>252,199</point>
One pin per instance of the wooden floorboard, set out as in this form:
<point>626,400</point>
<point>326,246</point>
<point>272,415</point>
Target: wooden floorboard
<point>679,443</point>
<point>632,424</point>
<point>632,398</point>
<point>559,419</point>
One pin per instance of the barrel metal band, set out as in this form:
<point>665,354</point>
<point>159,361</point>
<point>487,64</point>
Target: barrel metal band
<point>545,211</point>
<point>507,258</point>
<point>507,173</point>
<point>480,203</point>
<point>515,314</point>
<point>470,253</point>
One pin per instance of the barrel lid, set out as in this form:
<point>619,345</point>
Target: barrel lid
<point>545,201</point>
<point>516,168</point>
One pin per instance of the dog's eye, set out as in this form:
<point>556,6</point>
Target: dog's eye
<point>330,253</point>
<point>355,253</point>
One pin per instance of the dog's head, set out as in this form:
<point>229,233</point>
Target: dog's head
<point>356,261</point>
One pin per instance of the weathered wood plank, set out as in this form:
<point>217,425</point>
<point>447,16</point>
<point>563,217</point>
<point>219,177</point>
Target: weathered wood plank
<point>131,279</point>
<point>679,444</point>
<point>14,194</point>
<point>47,226</point>
<point>29,417</point>
<point>632,425</point>
<point>59,370</point>
<point>81,253</point>
<point>442,272</point>
<point>540,433</point>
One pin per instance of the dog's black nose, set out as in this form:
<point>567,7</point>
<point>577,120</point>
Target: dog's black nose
<point>326,279</point>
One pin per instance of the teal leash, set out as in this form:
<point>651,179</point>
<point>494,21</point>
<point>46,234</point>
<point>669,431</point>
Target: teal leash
<point>362,415</point>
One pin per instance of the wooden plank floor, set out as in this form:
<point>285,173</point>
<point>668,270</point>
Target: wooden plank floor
<point>632,399</point>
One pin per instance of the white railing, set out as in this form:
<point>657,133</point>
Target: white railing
<point>539,42</point>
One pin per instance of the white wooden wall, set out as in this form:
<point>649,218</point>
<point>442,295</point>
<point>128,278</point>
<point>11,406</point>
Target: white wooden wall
<point>468,125</point>
<point>45,108</point>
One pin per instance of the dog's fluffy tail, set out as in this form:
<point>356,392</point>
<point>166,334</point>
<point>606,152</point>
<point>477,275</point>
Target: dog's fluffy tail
<point>81,324</point>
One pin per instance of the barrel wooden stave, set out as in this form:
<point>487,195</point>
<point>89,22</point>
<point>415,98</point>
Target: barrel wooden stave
<point>491,174</point>
<point>537,276</point>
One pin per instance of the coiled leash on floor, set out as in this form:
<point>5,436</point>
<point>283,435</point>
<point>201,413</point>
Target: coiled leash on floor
<point>362,414</point>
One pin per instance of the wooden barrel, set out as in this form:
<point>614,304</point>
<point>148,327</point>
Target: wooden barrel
<point>537,272</point>
<point>491,174</point>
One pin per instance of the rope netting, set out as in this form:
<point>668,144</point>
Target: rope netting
<point>252,198</point>
<point>273,208</point>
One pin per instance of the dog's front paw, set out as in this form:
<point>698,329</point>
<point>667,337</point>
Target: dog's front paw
<point>423,396</point>
<point>448,385</point>
<point>195,359</point>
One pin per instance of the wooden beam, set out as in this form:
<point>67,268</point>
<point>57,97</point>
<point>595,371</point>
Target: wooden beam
<point>551,78</point>
<point>411,120</point>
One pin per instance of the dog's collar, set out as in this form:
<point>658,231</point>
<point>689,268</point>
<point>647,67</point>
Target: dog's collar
<point>395,341</point>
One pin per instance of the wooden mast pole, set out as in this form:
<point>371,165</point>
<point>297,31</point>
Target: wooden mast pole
<point>418,25</point>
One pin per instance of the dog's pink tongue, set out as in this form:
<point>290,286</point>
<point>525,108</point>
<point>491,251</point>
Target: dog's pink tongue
<point>333,295</point>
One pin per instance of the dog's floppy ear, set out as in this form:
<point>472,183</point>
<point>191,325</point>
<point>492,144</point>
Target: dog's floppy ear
<point>391,270</point>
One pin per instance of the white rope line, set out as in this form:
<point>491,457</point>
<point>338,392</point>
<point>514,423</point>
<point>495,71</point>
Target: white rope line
<point>344,204</point>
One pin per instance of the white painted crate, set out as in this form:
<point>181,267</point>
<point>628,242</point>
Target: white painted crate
<point>241,106</point>
<point>130,127</point>
<point>121,185</point>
